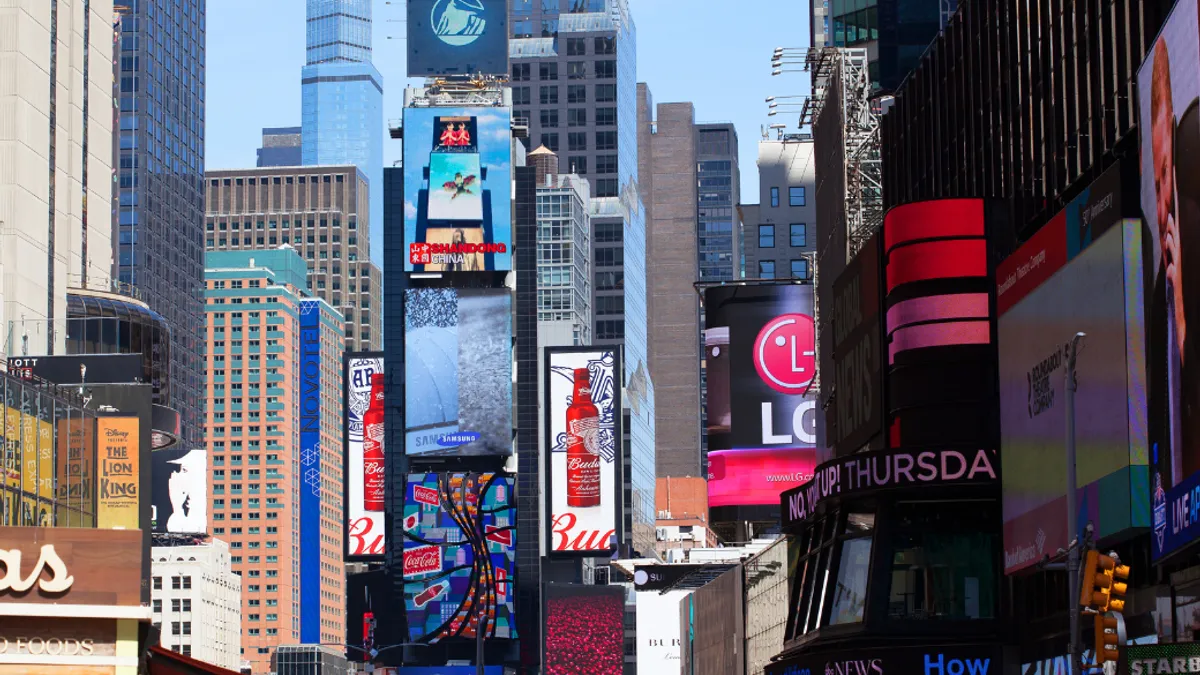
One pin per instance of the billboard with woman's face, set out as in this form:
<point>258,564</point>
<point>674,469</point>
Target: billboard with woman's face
<point>179,499</point>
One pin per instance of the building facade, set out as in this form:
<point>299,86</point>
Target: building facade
<point>59,160</point>
<point>196,599</point>
<point>719,191</point>
<point>280,147</point>
<point>160,181</point>
<point>781,242</point>
<point>342,97</point>
<point>895,33</point>
<point>257,468</point>
<point>323,213</point>
<point>563,266</point>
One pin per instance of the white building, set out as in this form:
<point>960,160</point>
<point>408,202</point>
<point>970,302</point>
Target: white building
<point>197,602</point>
<point>564,260</point>
<point>56,151</point>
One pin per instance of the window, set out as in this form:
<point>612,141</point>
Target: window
<point>606,93</point>
<point>766,269</point>
<point>577,141</point>
<point>175,604</point>
<point>549,119</point>
<point>606,187</point>
<point>547,71</point>
<point>766,236</point>
<point>610,257</point>
<point>610,304</point>
<point>606,45</point>
<point>576,46</point>
<point>800,269</point>
<point>156,606</point>
<point>577,117</point>
<point>576,93</point>
<point>774,196</point>
<point>798,234</point>
<point>158,583</point>
<point>610,281</point>
<point>576,70</point>
<point>550,141</point>
<point>796,196</point>
<point>521,95</point>
<point>187,582</point>
<point>607,232</point>
<point>606,163</point>
<point>549,95</point>
<point>606,117</point>
<point>522,28</point>
<point>606,140</point>
<point>610,329</point>
<point>606,70</point>
<point>577,165</point>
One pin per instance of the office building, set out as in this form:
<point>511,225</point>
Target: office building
<point>280,147</point>
<point>309,660</point>
<point>197,602</point>
<point>564,313</point>
<point>779,237</point>
<point>255,300</point>
<point>160,180</point>
<point>682,523</point>
<point>342,97</point>
<point>56,151</point>
<point>719,191</point>
<point>320,211</point>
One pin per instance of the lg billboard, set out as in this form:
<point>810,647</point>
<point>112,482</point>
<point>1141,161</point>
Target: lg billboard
<point>457,37</point>
<point>582,405</point>
<point>364,470</point>
<point>760,353</point>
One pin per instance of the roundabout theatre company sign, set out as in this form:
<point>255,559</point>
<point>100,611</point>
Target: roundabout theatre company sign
<point>868,472</point>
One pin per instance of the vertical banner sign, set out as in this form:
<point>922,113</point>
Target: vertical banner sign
<point>583,462</point>
<point>364,526</point>
<point>118,504</point>
<point>310,467</point>
<point>76,470</point>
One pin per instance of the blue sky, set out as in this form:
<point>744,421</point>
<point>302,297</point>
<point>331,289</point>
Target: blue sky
<point>715,53</point>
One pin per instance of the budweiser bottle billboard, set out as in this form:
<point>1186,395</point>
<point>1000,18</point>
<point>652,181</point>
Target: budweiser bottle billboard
<point>373,480</point>
<point>583,455</point>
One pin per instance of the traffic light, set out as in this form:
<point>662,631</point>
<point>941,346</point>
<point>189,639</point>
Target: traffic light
<point>1106,642</point>
<point>1104,585</point>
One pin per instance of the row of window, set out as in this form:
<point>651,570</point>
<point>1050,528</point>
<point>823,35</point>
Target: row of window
<point>797,235</point>
<point>576,70</point>
<point>177,605</point>
<point>576,117</point>
<point>799,269</point>
<point>177,583</point>
<point>577,141</point>
<point>277,180</point>
<point>796,196</point>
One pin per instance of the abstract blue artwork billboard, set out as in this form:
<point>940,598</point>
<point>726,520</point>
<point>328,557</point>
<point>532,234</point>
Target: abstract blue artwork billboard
<point>310,467</point>
<point>457,37</point>
<point>459,551</point>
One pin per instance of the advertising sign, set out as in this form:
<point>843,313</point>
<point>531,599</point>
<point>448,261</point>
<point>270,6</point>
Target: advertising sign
<point>76,471</point>
<point>70,565</point>
<point>1167,659</point>
<point>365,536</point>
<point>1096,290</point>
<point>80,368</point>
<point>585,629</point>
<point>760,353</point>
<point>179,491</point>
<point>457,194</point>
<point>457,37</point>
<point>855,415</point>
<point>459,551</point>
<point>582,459</point>
<point>955,659</point>
<point>310,468</point>
<point>458,371</point>
<point>118,505</point>
<point>658,640</point>
<point>28,485</point>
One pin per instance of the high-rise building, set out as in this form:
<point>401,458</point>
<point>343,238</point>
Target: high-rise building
<point>196,599</point>
<point>720,189</point>
<point>160,180</point>
<point>323,213</point>
<point>254,307</point>
<point>342,97</point>
<point>563,264</point>
<point>57,158</point>
<point>280,147</point>
<point>779,231</point>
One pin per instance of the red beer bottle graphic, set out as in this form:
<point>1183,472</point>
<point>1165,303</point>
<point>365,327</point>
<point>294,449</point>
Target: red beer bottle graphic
<point>583,457</point>
<point>373,448</point>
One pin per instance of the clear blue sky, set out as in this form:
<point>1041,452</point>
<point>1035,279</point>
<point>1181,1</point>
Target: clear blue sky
<point>715,53</point>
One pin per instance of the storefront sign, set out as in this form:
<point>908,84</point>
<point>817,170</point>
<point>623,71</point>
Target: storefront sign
<point>955,660</point>
<point>1172,659</point>
<point>48,561</point>
<point>888,469</point>
<point>76,566</point>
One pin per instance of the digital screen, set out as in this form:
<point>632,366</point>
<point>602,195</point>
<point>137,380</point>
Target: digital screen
<point>365,534</point>
<point>179,498</point>
<point>457,37</point>
<point>457,189</point>
<point>310,462</point>
<point>459,550</point>
<point>585,630</point>
<point>582,408</point>
<point>754,477</point>
<point>458,371</point>
<point>658,649</point>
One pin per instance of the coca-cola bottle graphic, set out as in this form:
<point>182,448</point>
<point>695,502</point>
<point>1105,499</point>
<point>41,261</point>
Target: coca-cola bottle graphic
<point>583,455</point>
<point>373,448</point>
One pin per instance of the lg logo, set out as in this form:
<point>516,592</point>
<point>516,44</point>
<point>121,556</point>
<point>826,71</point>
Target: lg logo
<point>785,353</point>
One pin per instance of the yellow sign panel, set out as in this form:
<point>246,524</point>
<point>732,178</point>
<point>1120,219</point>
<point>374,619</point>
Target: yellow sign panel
<point>118,505</point>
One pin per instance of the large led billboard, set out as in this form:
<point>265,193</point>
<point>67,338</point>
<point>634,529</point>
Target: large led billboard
<point>457,37</point>
<point>1169,124</point>
<point>457,189</point>
<point>179,491</point>
<point>582,389</point>
<point>365,469</point>
<point>760,355</point>
<point>657,612</point>
<point>459,551</point>
<point>584,629</point>
<point>458,371</point>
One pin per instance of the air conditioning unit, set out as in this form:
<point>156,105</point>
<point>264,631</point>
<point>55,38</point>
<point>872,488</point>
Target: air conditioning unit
<point>660,533</point>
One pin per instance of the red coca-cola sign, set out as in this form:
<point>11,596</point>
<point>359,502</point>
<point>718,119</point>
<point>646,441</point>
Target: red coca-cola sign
<point>422,560</point>
<point>424,495</point>
<point>503,537</point>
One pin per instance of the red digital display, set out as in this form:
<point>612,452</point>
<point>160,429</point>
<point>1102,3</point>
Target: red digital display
<point>938,219</point>
<point>754,477</point>
<point>944,259</point>
<point>585,630</point>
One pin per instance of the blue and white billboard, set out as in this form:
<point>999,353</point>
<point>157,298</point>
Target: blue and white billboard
<point>310,467</point>
<point>457,37</point>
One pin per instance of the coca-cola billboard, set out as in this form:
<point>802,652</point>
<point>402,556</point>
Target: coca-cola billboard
<point>363,509</point>
<point>582,390</point>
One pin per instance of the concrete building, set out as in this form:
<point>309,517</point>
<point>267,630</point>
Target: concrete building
<point>779,231</point>
<point>254,307</point>
<point>342,97</point>
<point>564,268</point>
<point>323,213</point>
<point>682,522</point>
<point>56,154</point>
<point>160,176</point>
<point>309,660</point>
<point>280,147</point>
<point>196,599</point>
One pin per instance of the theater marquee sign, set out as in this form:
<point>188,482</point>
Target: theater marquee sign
<point>71,567</point>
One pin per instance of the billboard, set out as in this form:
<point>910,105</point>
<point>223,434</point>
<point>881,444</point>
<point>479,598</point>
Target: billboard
<point>457,189</point>
<point>1169,123</point>
<point>310,477</point>
<point>28,484</point>
<point>585,630</point>
<point>760,353</point>
<point>1097,291</point>
<point>855,416</point>
<point>458,371</point>
<point>79,368</point>
<point>118,439</point>
<point>582,390</point>
<point>658,641</point>
<point>179,491</point>
<point>459,550</point>
<point>457,37</point>
<point>365,536</point>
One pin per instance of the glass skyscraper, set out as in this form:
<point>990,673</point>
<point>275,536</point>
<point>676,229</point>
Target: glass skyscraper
<point>342,98</point>
<point>160,181</point>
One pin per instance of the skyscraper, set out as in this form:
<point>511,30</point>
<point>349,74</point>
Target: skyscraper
<point>160,181</point>
<point>564,279</point>
<point>280,147</point>
<point>342,97</point>
<point>720,189</point>
<point>896,33</point>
